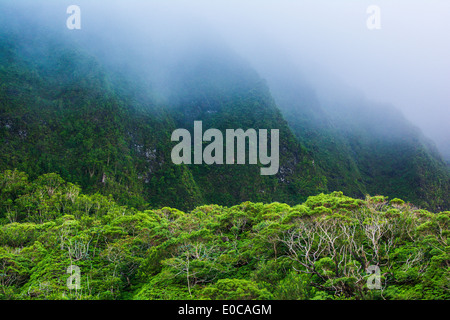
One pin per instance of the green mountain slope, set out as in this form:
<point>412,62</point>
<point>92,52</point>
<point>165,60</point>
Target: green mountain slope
<point>67,107</point>
<point>363,147</point>
<point>221,90</point>
<point>62,112</point>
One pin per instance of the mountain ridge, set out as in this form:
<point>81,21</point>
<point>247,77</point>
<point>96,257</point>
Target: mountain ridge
<point>64,111</point>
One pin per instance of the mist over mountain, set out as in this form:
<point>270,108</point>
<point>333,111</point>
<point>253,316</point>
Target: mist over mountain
<point>98,106</point>
<point>109,130</point>
<point>343,192</point>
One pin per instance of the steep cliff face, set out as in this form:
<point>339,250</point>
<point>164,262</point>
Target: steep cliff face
<point>362,146</point>
<point>65,108</point>
<point>63,111</point>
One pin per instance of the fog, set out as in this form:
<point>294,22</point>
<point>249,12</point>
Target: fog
<point>406,63</point>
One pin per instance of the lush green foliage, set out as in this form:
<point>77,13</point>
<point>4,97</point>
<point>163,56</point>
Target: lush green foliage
<point>319,249</point>
<point>70,121</point>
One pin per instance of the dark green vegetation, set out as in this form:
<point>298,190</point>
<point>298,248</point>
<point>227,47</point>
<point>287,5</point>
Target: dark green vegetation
<point>316,250</point>
<point>109,131</point>
<point>362,146</point>
<point>61,112</point>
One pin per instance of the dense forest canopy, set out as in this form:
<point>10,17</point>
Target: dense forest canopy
<point>319,249</point>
